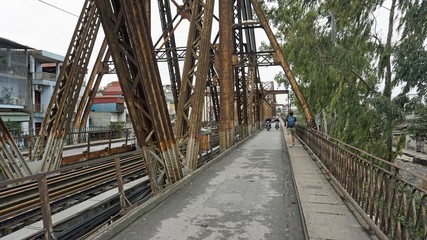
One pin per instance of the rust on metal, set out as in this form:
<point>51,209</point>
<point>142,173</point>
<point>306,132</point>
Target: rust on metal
<point>226,78</point>
<point>79,121</point>
<point>45,207</point>
<point>170,48</point>
<point>127,32</point>
<point>284,63</point>
<point>196,68</point>
<point>95,154</point>
<point>390,198</point>
<point>12,162</point>
<point>49,144</point>
<point>120,188</point>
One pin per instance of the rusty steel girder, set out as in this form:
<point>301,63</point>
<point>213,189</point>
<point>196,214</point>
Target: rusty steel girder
<point>92,86</point>
<point>196,68</point>
<point>226,50</point>
<point>169,47</point>
<point>49,144</point>
<point>253,59</point>
<point>127,31</point>
<point>229,72</point>
<point>12,162</point>
<point>284,64</point>
<point>251,105</point>
<point>213,85</point>
<point>245,45</point>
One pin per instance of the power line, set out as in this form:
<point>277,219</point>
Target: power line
<point>58,8</point>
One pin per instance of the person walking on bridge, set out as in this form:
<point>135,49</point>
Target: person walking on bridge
<point>291,123</point>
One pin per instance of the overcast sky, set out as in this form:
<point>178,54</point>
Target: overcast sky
<point>38,25</point>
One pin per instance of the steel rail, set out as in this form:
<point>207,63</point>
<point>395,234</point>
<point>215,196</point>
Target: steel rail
<point>31,186</point>
<point>32,196</point>
<point>23,209</point>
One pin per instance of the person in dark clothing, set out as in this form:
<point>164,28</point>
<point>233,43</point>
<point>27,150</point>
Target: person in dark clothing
<point>268,123</point>
<point>276,123</point>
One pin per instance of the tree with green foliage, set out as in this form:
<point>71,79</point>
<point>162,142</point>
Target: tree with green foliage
<point>341,63</point>
<point>13,127</point>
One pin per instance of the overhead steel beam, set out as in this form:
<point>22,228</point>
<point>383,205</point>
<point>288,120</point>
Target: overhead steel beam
<point>277,91</point>
<point>127,32</point>
<point>244,59</point>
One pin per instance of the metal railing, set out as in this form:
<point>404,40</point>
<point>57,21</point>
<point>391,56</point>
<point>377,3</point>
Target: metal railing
<point>26,140</point>
<point>388,197</point>
<point>39,108</point>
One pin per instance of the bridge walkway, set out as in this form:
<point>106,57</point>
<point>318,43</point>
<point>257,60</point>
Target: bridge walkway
<point>252,191</point>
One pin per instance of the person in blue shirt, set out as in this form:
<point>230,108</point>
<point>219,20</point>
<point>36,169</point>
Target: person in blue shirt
<point>291,123</point>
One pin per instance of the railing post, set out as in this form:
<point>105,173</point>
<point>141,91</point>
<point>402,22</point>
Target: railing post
<point>122,195</point>
<point>111,136</point>
<point>127,136</point>
<point>45,207</point>
<point>88,142</point>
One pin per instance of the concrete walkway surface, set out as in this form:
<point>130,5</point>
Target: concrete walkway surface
<point>326,216</point>
<point>252,191</point>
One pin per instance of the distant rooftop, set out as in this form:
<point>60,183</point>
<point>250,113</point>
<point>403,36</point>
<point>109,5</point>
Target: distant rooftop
<point>42,56</point>
<point>48,57</point>
<point>6,43</point>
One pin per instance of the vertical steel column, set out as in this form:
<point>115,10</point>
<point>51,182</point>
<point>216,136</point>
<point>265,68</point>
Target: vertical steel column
<point>226,49</point>
<point>284,63</point>
<point>251,99</point>
<point>196,65</point>
<point>252,73</point>
<point>258,101</point>
<point>126,28</point>
<point>240,73</point>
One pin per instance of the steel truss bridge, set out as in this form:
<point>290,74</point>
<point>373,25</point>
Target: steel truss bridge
<point>218,63</point>
<point>219,66</point>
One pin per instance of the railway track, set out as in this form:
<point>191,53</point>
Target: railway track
<point>20,204</point>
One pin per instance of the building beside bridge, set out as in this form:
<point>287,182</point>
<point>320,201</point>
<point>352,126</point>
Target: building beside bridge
<point>27,80</point>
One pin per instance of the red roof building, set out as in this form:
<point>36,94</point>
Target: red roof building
<point>113,89</point>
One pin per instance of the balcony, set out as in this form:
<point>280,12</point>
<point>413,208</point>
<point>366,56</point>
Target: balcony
<point>39,110</point>
<point>12,103</point>
<point>44,76</point>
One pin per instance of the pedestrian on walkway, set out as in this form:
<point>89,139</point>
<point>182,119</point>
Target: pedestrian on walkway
<point>291,123</point>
